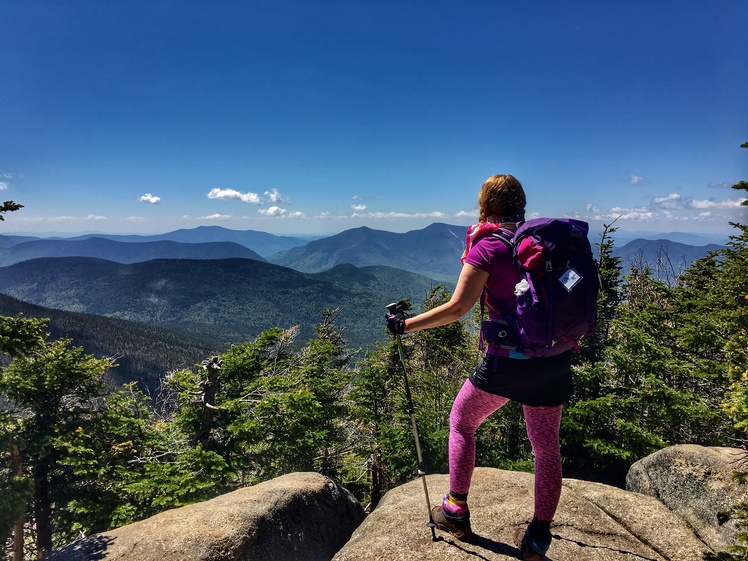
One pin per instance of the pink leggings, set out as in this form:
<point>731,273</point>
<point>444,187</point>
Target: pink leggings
<point>471,407</point>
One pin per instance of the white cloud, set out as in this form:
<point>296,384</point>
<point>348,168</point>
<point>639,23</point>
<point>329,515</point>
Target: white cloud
<point>297,214</point>
<point>467,214</point>
<point>3,185</point>
<point>733,203</point>
<point>358,215</point>
<point>150,199</point>
<point>635,179</point>
<point>232,194</point>
<point>675,201</point>
<point>673,208</point>
<point>272,211</point>
<point>136,219</point>
<point>591,208</point>
<point>65,218</point>
<point>380,215</point>
<point>275,197</point>
<point>620,213</point>
<point>215,217</point>
<point>669,197</point>
<point>671,201</point>
<point>721,185</point>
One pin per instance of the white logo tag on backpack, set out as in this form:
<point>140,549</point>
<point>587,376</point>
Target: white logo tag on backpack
<point>569,279</point>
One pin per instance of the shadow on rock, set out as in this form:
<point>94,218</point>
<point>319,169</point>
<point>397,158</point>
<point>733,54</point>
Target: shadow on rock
<point>486,544</point>
<point>91,548</point>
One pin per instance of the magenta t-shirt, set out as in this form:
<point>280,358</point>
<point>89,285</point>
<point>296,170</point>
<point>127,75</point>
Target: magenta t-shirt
<point>494,256</point>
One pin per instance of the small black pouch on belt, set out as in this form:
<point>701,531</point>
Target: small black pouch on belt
<point>500,333</point>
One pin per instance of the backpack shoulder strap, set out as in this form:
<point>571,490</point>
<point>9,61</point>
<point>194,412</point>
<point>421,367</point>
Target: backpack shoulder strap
<point>505,236</point>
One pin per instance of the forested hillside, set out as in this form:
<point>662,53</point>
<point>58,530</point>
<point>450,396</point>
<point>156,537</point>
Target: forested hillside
<point>143,353</point>
<point>230,300</point>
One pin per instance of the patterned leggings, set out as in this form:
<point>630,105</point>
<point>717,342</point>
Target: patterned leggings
<point>471,407</point>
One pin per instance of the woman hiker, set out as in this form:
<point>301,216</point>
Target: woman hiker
<point>542,385</point>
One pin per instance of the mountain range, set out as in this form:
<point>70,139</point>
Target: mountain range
<point>433,251</point>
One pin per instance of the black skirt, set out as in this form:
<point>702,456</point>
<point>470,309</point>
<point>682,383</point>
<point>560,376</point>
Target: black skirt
<point>532,381</point>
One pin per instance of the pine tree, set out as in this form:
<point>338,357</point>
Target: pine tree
<point>262,409</point>
<point>651,382</point>
<point>732,321</point>
<point>50,390</point>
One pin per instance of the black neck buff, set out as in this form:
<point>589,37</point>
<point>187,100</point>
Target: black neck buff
<point>519,217</point>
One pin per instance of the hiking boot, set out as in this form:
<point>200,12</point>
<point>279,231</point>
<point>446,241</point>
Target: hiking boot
<point>532,543</point>
<point>457,526</point>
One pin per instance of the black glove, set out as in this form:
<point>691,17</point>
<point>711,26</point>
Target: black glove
<point>396,323</point>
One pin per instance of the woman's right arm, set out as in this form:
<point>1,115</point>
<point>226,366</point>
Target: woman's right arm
<point>470,284</point>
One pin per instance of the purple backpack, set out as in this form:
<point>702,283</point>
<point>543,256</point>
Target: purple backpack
<point>557,296</point>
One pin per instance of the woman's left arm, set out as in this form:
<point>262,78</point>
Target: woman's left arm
<point>466,294</point>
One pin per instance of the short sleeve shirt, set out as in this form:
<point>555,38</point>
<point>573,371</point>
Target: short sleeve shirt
<point>493,256</point>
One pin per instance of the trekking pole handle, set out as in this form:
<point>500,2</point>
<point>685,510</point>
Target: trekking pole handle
<point>398,307</point>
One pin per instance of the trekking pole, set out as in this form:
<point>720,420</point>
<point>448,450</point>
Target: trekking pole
<point>394,309</point>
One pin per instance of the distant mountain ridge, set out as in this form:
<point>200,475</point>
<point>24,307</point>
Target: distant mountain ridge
<point>688,238</point>
<point>433,252</point>
<point>260,242</point>
<point>123,252</point>
<point>9,241</point>
<point>658,254</point>
<point>228,300</point>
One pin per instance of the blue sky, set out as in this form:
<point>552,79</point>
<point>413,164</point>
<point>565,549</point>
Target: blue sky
<point>315,117</point>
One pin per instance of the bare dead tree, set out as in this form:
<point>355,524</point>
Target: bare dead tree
<point>208,389</point>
